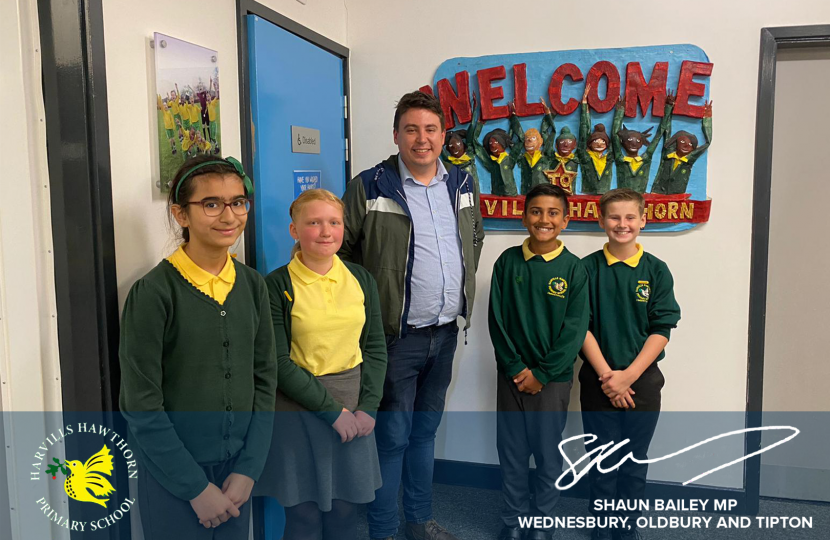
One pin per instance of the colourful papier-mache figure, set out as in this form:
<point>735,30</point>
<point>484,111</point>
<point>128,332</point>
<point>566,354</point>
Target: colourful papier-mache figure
<point>538,147</point>
<point>592,152</point>
<point>459,146</point>
<point>680,152</point>
<point>633,168</point>
<point>565,164</point>
<point>499,158</point>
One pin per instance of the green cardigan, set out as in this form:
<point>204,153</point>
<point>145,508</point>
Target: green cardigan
<point>198,378</point>
<point>298,383</point>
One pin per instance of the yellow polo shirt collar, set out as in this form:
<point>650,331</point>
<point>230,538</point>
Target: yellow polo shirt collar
<point>564,159</point>
<point>600,160</point>
<point>635,162</point>
<point>217,287</point>
<point>677,159</point>
<point>500,158</point>
<point>533,159</point>
<point>632,261</point>
<point>547,256</point>
<point>308,276</point>
<point>460,161</point>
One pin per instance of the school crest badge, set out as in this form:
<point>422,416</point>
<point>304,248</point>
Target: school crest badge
<point>643,291</point>
<point>557,287</point>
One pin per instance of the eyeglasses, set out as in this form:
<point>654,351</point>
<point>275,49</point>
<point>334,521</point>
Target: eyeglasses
<point>216,207</point>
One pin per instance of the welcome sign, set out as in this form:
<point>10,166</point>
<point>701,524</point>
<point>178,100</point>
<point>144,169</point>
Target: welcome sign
<point>619,97</point>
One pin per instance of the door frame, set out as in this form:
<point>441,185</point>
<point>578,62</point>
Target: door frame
<point>772,40</point>
<point>251,7</point>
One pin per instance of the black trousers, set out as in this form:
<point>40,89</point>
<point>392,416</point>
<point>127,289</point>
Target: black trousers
<point>601,418</point>
<point>530,425</point>
<point>166,517</point>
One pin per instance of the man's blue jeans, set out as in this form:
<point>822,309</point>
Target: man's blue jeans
<point>417,377</point>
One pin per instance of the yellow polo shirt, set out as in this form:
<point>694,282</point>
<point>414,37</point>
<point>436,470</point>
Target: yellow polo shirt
<point>632,261</point>
<point>195,112</point>
<point>547,256</point>
<point>327,318</point>
<point>217,287</point>
<point>635,162</point>
<point>212,109</point>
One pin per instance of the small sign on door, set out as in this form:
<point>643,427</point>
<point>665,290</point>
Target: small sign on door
<point>305,180</point>
<point>305,140</point>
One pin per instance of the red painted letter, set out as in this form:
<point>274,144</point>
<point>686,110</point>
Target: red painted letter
<point>686,87</point>
<point>636,89</point>
<point>555,89</point>
<point>520,93</point>
<point>489,94</point>
<point>426,90</point>
<point>612,94</point>
<point>460,102</point>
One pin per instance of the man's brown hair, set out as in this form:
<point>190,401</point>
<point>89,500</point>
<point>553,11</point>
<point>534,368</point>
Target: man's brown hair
<point>621,195</point>
<point>418,100</point>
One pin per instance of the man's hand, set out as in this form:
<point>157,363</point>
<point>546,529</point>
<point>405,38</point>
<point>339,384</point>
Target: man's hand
<point>527,382</point>
<point>346,426</point>
<point>237,487</point>
<point>615,383</point>
<point>213,507</point>
<point>365,423</point>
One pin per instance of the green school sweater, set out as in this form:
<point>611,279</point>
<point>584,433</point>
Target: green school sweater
<point>298,383</point>
<point>629,304</point>
<point>538,314</point>
<point>193,372</point>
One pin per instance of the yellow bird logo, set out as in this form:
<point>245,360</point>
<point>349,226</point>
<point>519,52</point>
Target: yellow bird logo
<point>85,482</point>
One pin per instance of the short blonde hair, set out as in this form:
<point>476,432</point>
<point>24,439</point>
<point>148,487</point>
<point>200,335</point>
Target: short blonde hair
<point>621,195</point>
<point>311,195</point>
<point>306,197</point>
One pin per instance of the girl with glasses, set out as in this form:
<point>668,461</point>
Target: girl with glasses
<point>198,365</point>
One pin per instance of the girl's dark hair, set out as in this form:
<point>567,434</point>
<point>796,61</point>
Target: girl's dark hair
<point>691,136</point>
<point>548,190</point>
<point>460,134</point>
<point>182,193</point>
<point>501,136</point>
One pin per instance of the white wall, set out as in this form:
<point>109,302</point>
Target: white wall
<point>29,365</point>
<point>396,48</point>
<point>142,238</point>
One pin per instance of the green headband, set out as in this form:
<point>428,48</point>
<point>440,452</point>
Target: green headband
<point>233,162</point>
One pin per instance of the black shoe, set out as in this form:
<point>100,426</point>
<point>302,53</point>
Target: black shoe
<point>601,533</point>
<point>629,534</point>
<point>427,531</point>
<point>538,534</point>
<point>510,533</point>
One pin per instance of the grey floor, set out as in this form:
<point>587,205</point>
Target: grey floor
<point>473,514</point>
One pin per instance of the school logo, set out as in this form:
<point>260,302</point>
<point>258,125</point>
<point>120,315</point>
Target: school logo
<point>86,481</point>
<point>557,287</point>
<point>643,291</point>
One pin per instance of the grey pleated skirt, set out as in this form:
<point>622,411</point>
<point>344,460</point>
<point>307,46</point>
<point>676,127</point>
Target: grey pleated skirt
<point>307,461</point>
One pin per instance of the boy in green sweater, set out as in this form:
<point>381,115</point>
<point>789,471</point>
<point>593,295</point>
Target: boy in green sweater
<point>538,318</point>
<point>632,313</point>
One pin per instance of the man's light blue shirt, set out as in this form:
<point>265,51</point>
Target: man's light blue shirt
<point>437,284</point>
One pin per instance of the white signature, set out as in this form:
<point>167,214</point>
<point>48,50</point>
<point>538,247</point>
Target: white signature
<point>598,454</point>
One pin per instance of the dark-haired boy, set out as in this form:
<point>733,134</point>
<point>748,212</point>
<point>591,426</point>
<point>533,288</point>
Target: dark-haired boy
<point>633,311</point>
<point>538,318</point>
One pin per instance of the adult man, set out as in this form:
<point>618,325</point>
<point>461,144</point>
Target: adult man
<point>417,227</point>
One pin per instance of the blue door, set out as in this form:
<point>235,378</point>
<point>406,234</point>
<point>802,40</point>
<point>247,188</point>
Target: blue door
<point>293,83</point>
